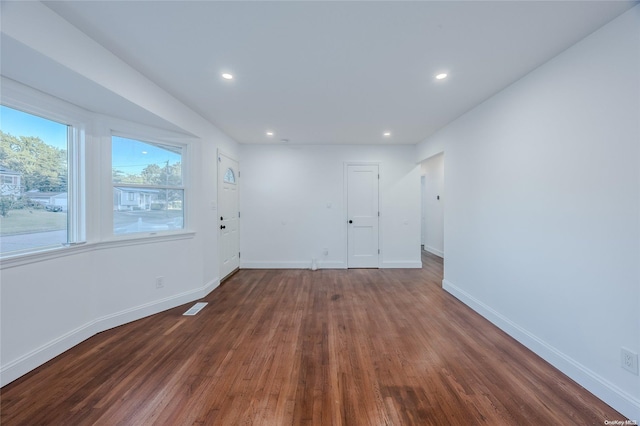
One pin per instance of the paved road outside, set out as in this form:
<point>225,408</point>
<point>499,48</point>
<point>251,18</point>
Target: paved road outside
<point>124,223</point>
<point>19,242</point>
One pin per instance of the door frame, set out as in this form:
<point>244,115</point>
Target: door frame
<point>219,152</point>
<point>440,229</point>
<point>345,204</point>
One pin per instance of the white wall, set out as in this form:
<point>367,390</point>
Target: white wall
<point>51,302</point>
<point>422,206</point>
<point>292,205</point>
<point>543,207</point>
<point>433,207</point>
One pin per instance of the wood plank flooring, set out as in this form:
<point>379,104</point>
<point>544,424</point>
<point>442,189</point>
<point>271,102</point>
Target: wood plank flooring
<point>296,347</point>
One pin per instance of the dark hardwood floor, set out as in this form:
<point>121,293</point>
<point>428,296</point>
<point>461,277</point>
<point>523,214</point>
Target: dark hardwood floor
<point>295,347</point>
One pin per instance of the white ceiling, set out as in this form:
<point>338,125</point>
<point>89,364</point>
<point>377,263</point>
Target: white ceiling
<point>335,72</point>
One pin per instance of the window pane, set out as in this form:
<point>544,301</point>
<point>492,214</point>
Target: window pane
<point>145,175</point>
<point>33,195</point>
<point>229,176</point>
<point>136,162</point>
<point>147,210</point>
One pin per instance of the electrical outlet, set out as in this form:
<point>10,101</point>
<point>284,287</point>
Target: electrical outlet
<point>325,251</point>
<point>159,282</point>
<point>629,360</point>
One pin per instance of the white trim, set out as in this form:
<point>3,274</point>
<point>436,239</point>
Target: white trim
<point>93,133</point>
<point>55,252</point>
<point>143,135</point>
<point>35,358</point>
<point>77,120</point>
<point>76,186</point>
<point>401,264</point>
<point>144,238</point>
<point>435,251</point>
<point>27,99</point>
<point>331,264</point>
<point>297,264</point>
<point>620,400</point>
<point>294,264</point>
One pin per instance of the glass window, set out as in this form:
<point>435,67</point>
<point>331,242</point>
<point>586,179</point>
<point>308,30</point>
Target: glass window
<point>35,182</point>
<point>229,176</point>
<point>148,191</point>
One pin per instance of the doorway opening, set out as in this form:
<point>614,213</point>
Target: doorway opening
<point>432,188</point>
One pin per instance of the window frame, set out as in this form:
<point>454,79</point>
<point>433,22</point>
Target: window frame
<point>142,134</point>
<point>92,206</point>
<point>29,101</point>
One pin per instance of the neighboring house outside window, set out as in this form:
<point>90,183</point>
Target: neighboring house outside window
<point>49,199</point>
<point>10,182</point>
<point>148,186</point>
<point>40,165</point>
<point>128,199</point>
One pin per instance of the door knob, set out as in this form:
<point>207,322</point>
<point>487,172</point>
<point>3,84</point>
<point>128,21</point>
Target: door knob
<point>222,227</point>
<point>350,221</point>
<point>221,218</point>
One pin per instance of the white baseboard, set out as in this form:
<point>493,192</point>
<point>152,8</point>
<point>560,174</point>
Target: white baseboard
<point>31,360</point>
<point>620,400</point>
<point>290,265</point>
<point>322,265</point>
<point>151,308</point>
<point>401,264</point>
<point>332,265</point>
<point>435,251</point>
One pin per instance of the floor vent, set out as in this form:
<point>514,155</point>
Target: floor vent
<point>195,308</point>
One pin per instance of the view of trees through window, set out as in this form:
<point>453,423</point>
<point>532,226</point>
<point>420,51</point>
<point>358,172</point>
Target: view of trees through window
<point>148,193</point>
<point>147,182</point>
<point>33,181</point>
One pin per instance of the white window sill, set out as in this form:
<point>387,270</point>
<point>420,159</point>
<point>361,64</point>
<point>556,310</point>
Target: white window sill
<point>20,259</point>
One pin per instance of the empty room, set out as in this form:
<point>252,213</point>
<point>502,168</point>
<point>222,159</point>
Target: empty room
<point>319,212</point>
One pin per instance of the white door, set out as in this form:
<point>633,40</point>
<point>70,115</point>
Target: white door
<point>362,216</point>
<point>229,236</point>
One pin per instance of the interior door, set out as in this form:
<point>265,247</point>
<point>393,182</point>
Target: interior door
<point>229,236</point>
<point>362,216</point>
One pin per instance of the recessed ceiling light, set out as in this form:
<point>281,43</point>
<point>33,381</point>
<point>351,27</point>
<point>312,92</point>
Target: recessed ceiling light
<point>387,134</point>
<point>227,76</point>
<point>441,76</point>
<point>144,152</point>
<point>269,133</point>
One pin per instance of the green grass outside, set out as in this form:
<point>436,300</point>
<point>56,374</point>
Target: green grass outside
<point>29,221</point>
